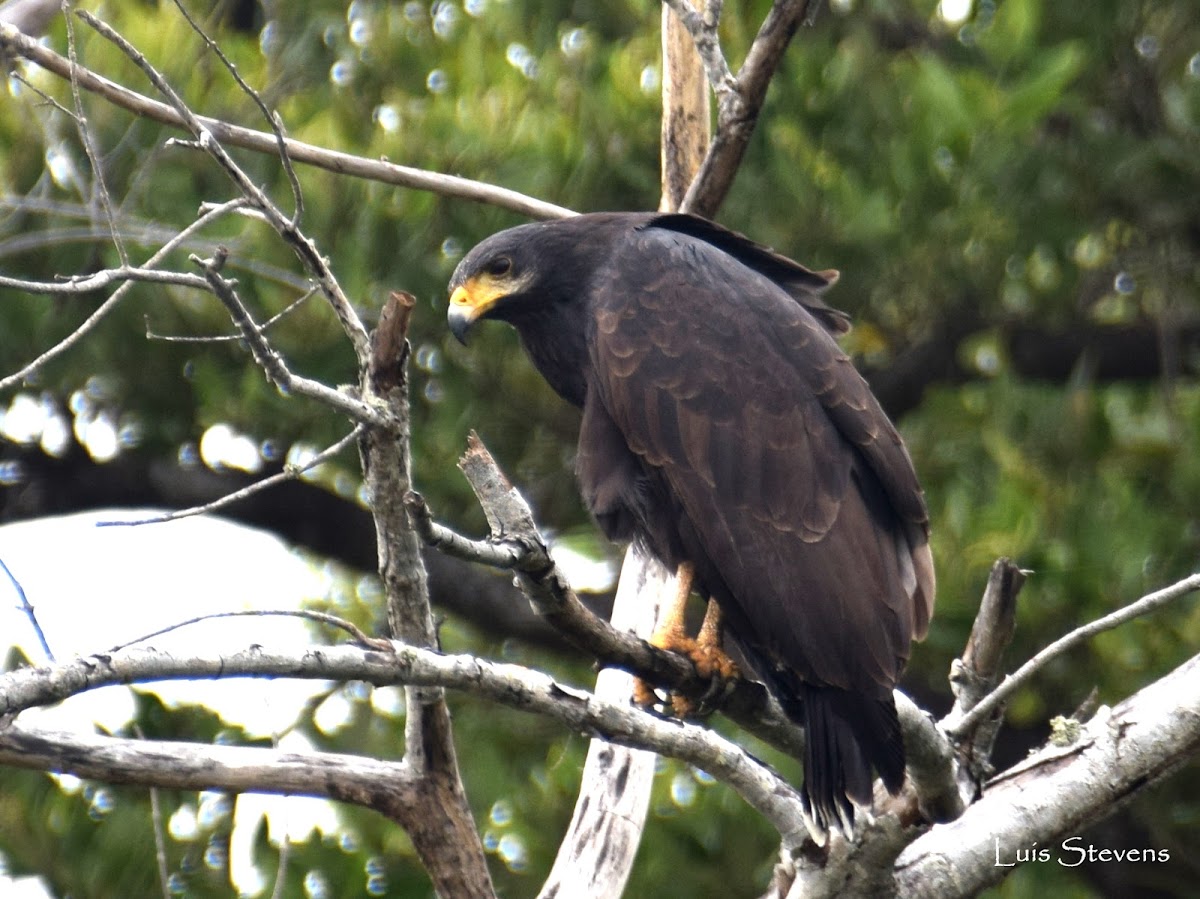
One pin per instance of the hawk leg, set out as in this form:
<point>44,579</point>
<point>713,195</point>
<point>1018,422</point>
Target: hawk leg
<point>704,651</point>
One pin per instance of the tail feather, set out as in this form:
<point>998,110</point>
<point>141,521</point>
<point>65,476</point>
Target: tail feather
<point>846,736</point>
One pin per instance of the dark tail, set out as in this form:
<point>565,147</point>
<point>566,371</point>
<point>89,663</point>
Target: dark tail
<point>846,736</point>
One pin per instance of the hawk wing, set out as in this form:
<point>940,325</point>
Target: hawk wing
<point>713,388</point>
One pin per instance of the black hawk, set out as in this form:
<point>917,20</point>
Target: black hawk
<point>724,427</point>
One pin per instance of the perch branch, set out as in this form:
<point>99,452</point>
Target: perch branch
<point>547,589</point>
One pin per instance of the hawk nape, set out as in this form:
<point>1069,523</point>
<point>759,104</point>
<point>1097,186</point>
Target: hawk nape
<point>723,425</point>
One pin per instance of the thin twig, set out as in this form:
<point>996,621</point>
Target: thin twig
<point>103,279</point>
<point>111,303</point>
<point>99,186</point>
<point>228,338</point>
<point>1149,603</point>
<point>285,852</point>
<point>27,608</point>
<point>360,638</point>
<point>504,555</point>
<point>272,363</point>
<point>46,98</point>
<point>304,248</point>
<point>380,170</point>
<point>156,822</point>
<point>289,473</point>
<point>273,119</point>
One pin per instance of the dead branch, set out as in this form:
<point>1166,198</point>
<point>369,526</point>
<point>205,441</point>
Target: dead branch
<point>596,854</point>
<point>1144,606</point>
<point>978,672</point>
<point>289,473</point>
<point>440,824</point>
<point>207,766</point>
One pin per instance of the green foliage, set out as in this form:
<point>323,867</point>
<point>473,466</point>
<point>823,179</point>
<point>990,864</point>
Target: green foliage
<point>1035,164</point>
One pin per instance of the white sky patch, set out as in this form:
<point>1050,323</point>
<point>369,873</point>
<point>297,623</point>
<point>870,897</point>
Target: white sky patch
<point>584,572</point>
<point>95,587</point>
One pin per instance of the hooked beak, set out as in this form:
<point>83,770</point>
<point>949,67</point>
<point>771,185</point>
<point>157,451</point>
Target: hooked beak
<point>470,301</point>
<point>461,314</point>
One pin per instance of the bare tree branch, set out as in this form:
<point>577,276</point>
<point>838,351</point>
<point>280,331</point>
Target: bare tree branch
<point>511,685</point>
<point>980,669</point>
<point>440,825</point>
<point>272,362</point>
<point>90,323</point>
<point>104,278</point>
<point>289,473</point>
<point>706,40</point>
<point>1049,798</point>
<point>304,248</point>
<point>1144,606</point>
<point>99,185</point>
<point>15,43</point>
<point>206,766</point>
<point>27,608</point>
<point>739,103</point>
<point>273,118</point>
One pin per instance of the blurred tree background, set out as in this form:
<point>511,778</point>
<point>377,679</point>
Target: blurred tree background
<point>1011,191</point>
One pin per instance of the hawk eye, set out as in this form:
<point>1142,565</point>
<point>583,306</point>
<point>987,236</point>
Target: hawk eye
<point>501,265</point>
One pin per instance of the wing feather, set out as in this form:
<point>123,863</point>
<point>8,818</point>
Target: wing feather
<point>782,478</point>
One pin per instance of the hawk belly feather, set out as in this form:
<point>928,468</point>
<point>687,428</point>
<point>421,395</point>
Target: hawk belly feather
<point>723,425</point>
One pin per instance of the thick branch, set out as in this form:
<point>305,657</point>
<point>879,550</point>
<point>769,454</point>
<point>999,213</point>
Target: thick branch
<point>596,855</point>
<point>206,766</point>
<point>510,685</point>
<point>686,117</point>
<point>738,108</point>
<point>445,835</point>
<point>1056,793</point>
